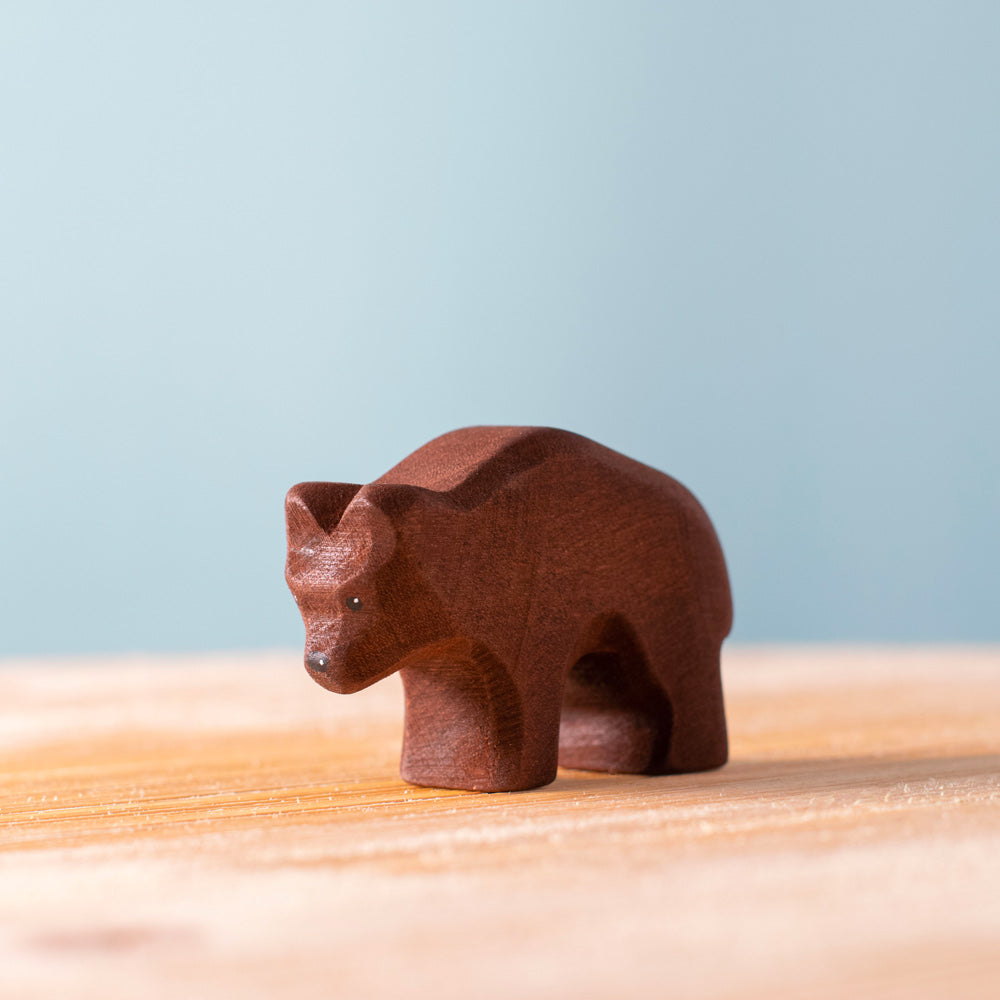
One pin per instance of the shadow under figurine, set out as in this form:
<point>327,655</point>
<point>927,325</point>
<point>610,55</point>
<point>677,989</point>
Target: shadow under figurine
<point>546,600</point>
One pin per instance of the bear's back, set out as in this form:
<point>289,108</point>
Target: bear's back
<point>569,505</point>
<point>471,464</point>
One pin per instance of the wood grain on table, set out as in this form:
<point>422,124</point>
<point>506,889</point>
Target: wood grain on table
<point>218,826</point>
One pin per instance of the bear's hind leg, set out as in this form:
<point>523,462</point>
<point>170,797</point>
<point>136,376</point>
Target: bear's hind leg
<point>614,717</point>
<point>698,741</point>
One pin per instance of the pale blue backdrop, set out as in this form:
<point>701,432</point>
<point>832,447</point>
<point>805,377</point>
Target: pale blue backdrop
<point>244,244</point>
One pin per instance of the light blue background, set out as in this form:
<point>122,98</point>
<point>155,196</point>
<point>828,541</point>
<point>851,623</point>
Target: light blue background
<point>756,245</point>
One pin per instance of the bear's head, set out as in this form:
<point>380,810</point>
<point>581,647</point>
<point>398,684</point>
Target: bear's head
<point>362,596</point>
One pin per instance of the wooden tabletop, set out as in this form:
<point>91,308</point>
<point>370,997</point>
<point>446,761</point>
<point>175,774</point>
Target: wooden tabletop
<point>219,826</point>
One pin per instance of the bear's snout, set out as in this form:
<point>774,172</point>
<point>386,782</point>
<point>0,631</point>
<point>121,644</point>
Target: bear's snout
<point>317,661</point>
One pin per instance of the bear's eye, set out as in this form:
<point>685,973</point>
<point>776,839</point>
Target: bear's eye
<point>354,603</point>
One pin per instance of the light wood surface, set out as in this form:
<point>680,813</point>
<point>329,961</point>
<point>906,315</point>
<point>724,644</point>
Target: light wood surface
<point>221,827</point>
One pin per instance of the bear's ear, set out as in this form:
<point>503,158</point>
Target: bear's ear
<point>314,507</point>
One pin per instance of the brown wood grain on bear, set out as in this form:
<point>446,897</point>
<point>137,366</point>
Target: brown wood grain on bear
<point>546,600</point>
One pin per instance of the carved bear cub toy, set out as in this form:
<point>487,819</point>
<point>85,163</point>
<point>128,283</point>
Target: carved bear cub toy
<point>545,599</point>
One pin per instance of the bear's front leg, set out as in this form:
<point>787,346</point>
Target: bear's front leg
<point>466,725</point>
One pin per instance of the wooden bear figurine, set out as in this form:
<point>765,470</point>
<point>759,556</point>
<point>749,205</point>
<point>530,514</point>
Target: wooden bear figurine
<point>545,599</point>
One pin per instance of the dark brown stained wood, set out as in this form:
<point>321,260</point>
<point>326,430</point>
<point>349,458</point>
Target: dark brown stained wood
<point>545,599</point>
